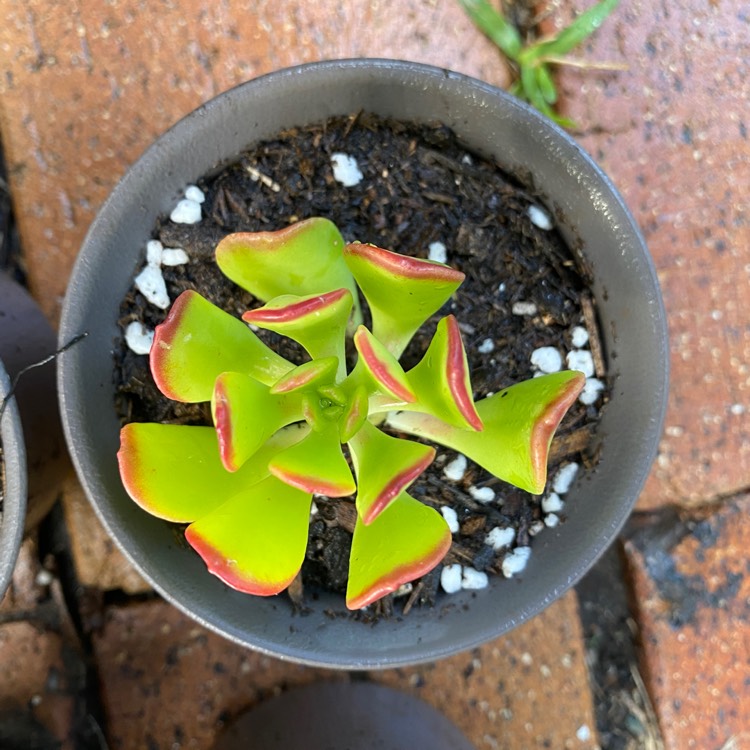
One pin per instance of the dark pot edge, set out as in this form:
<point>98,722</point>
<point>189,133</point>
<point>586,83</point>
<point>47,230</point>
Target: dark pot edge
<point>14,501</point>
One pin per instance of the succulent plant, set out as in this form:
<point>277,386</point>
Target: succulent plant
<point>245,486</point>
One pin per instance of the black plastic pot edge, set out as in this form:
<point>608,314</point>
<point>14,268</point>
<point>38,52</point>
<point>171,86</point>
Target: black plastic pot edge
<point>14,497</point>
<point>490,122</point>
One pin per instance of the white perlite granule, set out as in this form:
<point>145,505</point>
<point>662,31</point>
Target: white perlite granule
<point>482,494</point>
<point>499,538</point>
<point>150,283</point>
<point>552,503</point>
<point>450,578</point>
<point>579,337</point>
<point>583,733</point>
<point>592,388</point>
<point>551,520</point>
<point>456,469</point>
<point>486,347</point>
<point>194,193</point>
<point>346,170</point>
<point>523,308</point>
<point>437,252</point>
<point>154,250</point>
<point>536,527</point>
<point>516,561</point>
<point>540,218</point>
<point>173,256</point>
<point>473,579</point>
<point>547,359</point>
<point>186,212</point>
<point>138,338</point>
<point>451,518</point>
<point>564,478</point>
<point>581,360</point>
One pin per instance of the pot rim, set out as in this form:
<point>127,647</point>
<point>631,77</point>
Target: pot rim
<point>594,183</point>
<point>14,500</point>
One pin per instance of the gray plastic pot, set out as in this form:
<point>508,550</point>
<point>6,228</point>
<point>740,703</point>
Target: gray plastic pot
<point>12,483</point>
<point>26,338</point>
<point>490,122</point>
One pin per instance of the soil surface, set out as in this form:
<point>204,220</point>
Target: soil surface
<point>419,186</point>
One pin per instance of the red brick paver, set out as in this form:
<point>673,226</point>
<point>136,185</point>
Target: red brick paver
<point>84,92</point>
<point>167,680</point>
<point>672,132</point>
<point>98,561</point>
<point>692,593</point>
<point>33,681</point>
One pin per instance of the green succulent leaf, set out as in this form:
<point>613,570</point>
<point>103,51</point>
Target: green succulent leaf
<point>355,414</point>
<point>310,375</point>
<point>246,414</point>
<point>441,381</point>
<point>304,258</point>
<point>255,542</point>
<point>198,341</point>
<point>385,373</point>
<point>385,467</point>
<point>316,464</point>
<point>318,322</point>
<point>404,542</point>
<point>174,471</point>
<point>402,292</point>
<point>519,423</point>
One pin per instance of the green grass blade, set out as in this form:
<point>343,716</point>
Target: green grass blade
<point>546,84</point>
<point>579,30</point>
<point>494,25</point>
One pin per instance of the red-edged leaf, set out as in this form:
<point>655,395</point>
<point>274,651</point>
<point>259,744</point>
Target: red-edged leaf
<point>402,292</point>
<point>316,464</point>
<point>198,341</point>
<point>304,258</point>
<point>308,375</point>
<point>317,322</point>
<point>441,380</point>
<point>383,368</point>
<point>519,423</point>
<point>174,472</point>
<point>255,542</point>
<point>385,467</point>
<point>404,542</point>
<point>246,414</point>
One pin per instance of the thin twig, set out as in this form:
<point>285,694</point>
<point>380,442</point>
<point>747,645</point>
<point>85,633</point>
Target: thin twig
<point>33,365</point>
<point>595,342</point>
<point>577,62</point>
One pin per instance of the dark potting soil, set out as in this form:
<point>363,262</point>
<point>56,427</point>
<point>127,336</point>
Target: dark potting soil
<point>420,186</point>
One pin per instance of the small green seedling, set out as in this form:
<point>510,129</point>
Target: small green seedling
<point>245,486</point>
<point>534,82</point>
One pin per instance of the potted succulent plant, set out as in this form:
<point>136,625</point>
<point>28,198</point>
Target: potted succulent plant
<point>246,488</point>
<point>591,217</point>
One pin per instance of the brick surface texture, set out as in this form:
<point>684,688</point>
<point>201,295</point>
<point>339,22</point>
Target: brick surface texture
<point>168,682</point>
<point>83,93</point>
<point>672,132</point>
<point>692,593</point>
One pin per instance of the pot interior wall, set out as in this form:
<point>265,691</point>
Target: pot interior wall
<point>491,123</point>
